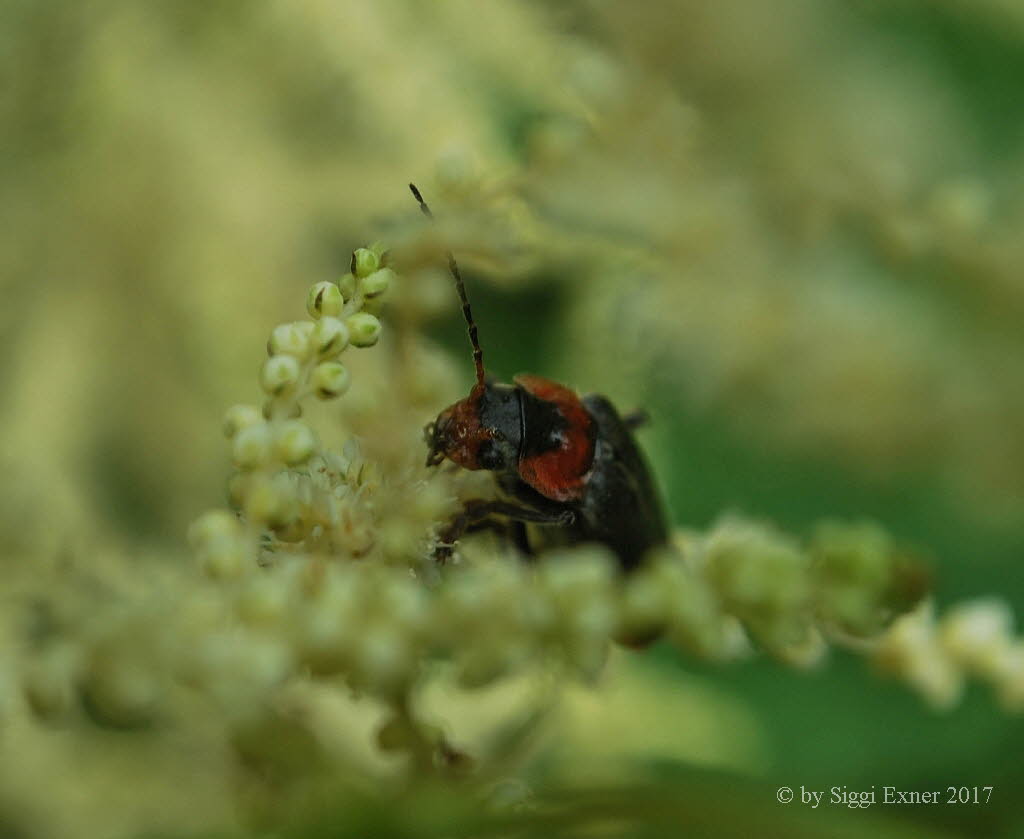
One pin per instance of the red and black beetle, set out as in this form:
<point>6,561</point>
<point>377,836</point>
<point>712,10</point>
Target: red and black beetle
<point>564,462</point>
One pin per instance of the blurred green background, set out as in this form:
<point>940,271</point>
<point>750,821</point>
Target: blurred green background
<point>793,231</point>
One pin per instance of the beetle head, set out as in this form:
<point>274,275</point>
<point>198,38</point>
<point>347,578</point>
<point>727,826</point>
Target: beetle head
<point>482,431</point>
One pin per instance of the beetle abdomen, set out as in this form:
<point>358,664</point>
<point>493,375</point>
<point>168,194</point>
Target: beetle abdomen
<point>619,506</point>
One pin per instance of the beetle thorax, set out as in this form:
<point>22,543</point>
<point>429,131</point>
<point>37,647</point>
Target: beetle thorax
<point>482,431</point>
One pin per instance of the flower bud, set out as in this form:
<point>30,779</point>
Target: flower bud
<point>324,299</point>
<point>294,442</point>
<point>578,574</point>
<point>330,380</point>
<point>214,526</point>
<point>279,375</point>
<point>588,657</point>
<point>325,637</point>
<point>274,409</point>
<point>479,667</point>
<point>1009,678</point>
<point>347,284</point>
<point>224,559</point>
<point>49,680</point>
<point>382,659</point>
<point>373,306</point>
<point>289,339</point>
<point>263,602</point>
<point>238,489</point>
<point>377,283</point>
<point>238,417</point>
<point>251,446</point>
<point>976,634</point>
<point>364,262</point>
<point>120,688</point>
<point>363,329</point>
<point>270,503</point>
<point>305,327</point>
<point>643,609</point>
<point>330,337</point>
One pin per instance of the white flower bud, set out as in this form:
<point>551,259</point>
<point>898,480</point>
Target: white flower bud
<point>578,572</point>
<point>330,379</point>
<point>936,679</point>
<point>270,502</point>
<point>644,603</point>
<point>364,262</point>
<point>238,489</point>
<point>272,409</point>
<point>977,634</point>
<point>238,417</point>
<point>1009,678</point>
<point>251,446</point>
<point>263,601</point>
<point>911,650</point>
<point>225,559</point>
<point>305,327</point>
<point>294,442</point>
<point>347,284</point>
<point>324,298</point>
<point>121,688</point>
<point>238,668</point>
<point>325,637</point>
<point>214,526</point>
<point>265,662</point>
<point>279,375</point>
<point>404,602</point>
<point>479,666</point>
<point>588,656</point>
<point>377,282</point>
<point>49,680</point>
<point>363,329</point>
<point>593,619</point>
<point>330,337</point>
<point>289,339</point>
<point>382,658</point>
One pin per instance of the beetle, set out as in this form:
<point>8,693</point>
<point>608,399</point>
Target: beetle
<point>566,463</point>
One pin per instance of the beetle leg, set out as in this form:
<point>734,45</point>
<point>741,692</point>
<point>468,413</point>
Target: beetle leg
<point>519,538</point>
<point>502,528</point>
<point>512,531</point>
<point>476,512</point>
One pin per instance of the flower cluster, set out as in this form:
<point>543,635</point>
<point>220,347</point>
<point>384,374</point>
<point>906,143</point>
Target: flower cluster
<point>322,570</point>
<point>717,596</point>
<point>320,575</point>
<point>790,262</point>
<point>935,656</point>
<point>287,485</point>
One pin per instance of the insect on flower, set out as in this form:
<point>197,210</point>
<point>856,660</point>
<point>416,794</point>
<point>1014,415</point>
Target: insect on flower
<point>568,465</point>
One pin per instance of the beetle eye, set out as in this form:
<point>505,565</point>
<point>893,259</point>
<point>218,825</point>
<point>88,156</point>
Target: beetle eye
<point>488,455</point>
<point>435,446</point>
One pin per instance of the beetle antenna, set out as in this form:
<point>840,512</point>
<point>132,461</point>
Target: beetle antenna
<point>460,287</point>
